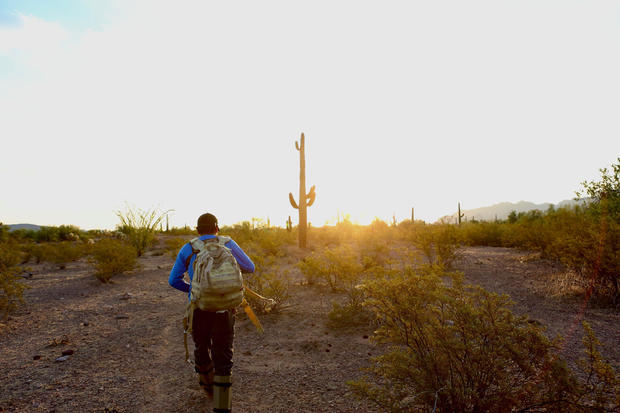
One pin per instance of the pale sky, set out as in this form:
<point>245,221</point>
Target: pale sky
<point>196,105</point>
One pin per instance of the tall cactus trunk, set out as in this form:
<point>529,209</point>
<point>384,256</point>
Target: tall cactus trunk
<point>303,211</point>
<point>305,199</point>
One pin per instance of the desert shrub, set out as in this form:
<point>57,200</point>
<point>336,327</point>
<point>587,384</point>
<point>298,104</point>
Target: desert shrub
<point>438,243</point>
<point>270,284</point>
<point>112,257</point>
<point>59,253</point>
<point>65,252</point>
<point>41,252</point>
<point>344,315</point>
<point>174,245</point>
<point>4,232</point>
<point>10,287</point>
<point>140,226</point>
<point>181,231</point>
<point>482,233</point>
<point>325,237</point>
<point>604,210</point>
<point>341,270</point>
<point>459,348</point>
<point>339,267</point>
<point>271,241</point>
<point>375,243</point>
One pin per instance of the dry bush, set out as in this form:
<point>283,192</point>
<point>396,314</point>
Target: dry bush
<point>111,257</point>
<point>459,348</point>
<point>10,287</point>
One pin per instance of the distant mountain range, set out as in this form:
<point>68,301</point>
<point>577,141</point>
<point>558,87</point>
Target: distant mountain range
<point>502,210</point>
<point>32,227</point>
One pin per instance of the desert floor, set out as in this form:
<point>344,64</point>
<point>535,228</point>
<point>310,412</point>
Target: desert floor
<point>127,349</point>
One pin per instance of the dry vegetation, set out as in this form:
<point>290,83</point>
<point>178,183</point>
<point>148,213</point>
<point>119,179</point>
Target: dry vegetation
<point>408,317</point>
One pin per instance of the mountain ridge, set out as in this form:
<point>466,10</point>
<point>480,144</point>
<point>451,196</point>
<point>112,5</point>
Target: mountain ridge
<point>501,210</point>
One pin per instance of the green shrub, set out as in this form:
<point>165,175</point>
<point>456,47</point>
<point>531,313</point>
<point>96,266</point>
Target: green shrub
<point>10,287</point>
<point>111,257</point>
<point>174,245</point>
<point>41,252</point>
<point>438,243</point>
<point>458,348</point>
<point>140,226</point>
<point>65,252</point>
<point>272,285</point>
<point>4,232</point>
<point>339,267</point>
<point>482,233</point>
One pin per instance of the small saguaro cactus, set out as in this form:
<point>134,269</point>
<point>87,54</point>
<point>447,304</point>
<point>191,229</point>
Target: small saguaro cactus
<point>459,214</point>
<point>412,216</point>
<point>289,224</point>
<point>305,199</point>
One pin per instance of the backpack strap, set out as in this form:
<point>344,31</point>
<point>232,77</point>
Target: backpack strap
<point>223,239</point>
<point>197,245</point>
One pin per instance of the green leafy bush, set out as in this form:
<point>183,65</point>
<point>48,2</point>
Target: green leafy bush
<point>10,287</point>
<point>112,257</point>
<point>458,348</point>
<point>140,226</point>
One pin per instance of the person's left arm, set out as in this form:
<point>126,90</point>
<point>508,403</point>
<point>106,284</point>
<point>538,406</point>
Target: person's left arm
<point>243,260</point>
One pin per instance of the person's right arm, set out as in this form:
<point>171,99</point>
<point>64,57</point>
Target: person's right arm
<point>176,275</point>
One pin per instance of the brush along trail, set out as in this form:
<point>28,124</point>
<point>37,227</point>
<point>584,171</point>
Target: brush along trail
<point>78,345</point>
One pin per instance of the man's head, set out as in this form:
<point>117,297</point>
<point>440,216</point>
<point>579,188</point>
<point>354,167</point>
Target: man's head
<point>207,224</point>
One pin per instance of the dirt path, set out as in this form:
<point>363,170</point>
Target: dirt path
<point>128,355</point>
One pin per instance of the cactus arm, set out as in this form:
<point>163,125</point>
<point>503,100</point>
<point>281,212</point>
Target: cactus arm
<point>311,199</point>
<point>296,145</point>
<point>311,191</point>
<point>292,200</point>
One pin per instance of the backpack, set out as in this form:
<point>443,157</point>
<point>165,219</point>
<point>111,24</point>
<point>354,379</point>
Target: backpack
<point>217,283</point>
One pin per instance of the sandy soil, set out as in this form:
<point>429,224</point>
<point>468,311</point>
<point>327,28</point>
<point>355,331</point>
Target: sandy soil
<point>126,341</point>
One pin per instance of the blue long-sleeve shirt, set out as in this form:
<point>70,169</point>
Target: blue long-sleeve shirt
<point>176,275</point>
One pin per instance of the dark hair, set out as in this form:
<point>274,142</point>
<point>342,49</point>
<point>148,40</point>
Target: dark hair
<point>207,224</point>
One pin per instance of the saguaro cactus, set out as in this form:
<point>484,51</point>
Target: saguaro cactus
<point>459,214</point>
<point>305,199</point>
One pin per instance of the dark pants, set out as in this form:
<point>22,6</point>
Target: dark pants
<point>213,335</point>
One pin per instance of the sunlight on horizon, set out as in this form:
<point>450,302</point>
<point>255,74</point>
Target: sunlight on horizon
<point>195,106</point>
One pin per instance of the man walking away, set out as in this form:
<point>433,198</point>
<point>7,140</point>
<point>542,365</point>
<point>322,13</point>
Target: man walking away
<point>212,331</point>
